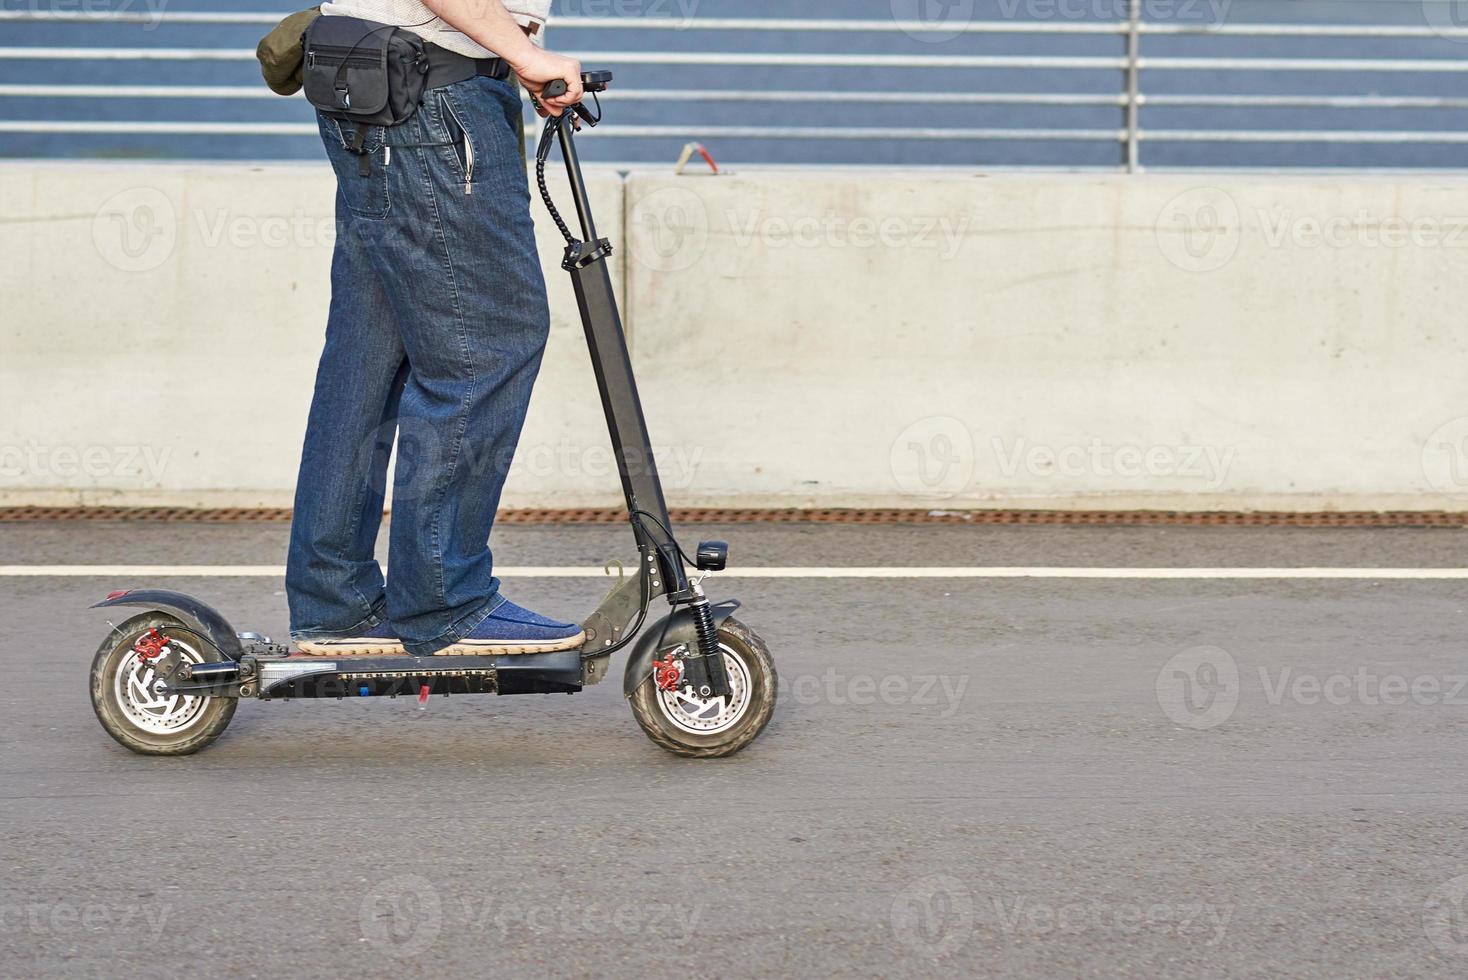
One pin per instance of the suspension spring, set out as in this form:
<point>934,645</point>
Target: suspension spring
<point>711,658</point>
<point>708,633</point>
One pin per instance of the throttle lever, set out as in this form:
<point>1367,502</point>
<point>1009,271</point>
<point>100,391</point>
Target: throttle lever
<point>558,88</point>
<point>591,81</point>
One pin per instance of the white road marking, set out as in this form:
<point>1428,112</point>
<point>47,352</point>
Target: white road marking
<point>883,572</point>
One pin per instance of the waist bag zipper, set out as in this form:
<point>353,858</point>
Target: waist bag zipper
<point>328,55</point>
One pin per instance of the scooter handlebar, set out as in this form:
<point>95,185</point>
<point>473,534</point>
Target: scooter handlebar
<point>591,81</point>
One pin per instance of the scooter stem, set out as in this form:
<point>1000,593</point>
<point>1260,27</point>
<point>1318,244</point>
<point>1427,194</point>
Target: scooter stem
<point>586,262</point>
<point>578,183</point>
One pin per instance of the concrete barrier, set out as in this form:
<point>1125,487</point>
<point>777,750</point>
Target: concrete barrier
<point>825,339</point>
<point>162,326</point>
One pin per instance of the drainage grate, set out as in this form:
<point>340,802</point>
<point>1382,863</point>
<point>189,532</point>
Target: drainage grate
<point>1066,518</point>
<point>217,515</point>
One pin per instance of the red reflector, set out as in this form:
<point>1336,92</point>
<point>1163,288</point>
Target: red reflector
<point>117,595</point>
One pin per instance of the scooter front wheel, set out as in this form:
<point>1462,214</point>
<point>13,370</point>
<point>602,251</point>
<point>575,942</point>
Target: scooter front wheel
<point>131,708</point>
<point>677,719</point>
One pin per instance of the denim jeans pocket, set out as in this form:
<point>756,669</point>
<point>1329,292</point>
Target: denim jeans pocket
<point>460,139</point>
<point>365,195</point>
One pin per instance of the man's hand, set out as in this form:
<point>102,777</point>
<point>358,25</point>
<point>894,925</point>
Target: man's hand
<point>536,68</point>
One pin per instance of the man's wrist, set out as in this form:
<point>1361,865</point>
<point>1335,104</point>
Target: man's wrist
<point>523,49</point>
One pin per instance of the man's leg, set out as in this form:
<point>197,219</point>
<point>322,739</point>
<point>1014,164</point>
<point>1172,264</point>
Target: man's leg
<point>333,582</point>
<point>471,301</point>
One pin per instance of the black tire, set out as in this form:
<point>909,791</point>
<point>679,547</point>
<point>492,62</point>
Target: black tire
<point>204,720</point>
<point>748,661</point>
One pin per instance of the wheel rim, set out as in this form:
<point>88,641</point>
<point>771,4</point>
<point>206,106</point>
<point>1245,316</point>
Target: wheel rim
<point>709,716</point>
<point>145,708</point>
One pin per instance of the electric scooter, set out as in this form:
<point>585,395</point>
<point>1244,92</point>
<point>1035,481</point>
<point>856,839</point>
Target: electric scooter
<point>700,682</point>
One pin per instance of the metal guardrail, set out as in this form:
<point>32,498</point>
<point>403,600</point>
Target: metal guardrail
<point>1130,64</point>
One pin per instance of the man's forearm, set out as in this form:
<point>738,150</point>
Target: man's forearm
<point>487,23</point>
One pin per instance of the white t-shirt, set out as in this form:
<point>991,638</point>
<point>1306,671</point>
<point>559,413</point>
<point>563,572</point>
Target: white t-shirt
<point>421,21</point>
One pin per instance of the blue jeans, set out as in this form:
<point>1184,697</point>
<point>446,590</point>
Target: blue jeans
<point>438,323</point>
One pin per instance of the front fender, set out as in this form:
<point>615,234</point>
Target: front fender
<point>194,614</point>
<point>672,630</point>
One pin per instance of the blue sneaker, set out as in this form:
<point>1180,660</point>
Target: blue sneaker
<point>515,629</point>
<point>379,641</point>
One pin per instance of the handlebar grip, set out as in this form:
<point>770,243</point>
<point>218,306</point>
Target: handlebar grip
<point>592,81</point>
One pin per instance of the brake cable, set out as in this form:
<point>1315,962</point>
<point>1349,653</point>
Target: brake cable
<point>553,126</point>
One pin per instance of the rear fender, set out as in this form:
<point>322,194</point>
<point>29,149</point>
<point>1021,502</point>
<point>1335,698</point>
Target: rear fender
<point>194,614</point>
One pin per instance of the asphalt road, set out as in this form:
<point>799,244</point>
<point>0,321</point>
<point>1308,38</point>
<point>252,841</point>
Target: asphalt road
<point>963,778</point>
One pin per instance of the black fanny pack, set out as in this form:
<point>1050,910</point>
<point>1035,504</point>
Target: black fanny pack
<point>375,74</point>
<point>371,74</point>
<point>368,73</point>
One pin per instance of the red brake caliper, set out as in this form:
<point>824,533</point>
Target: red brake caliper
<point>150,645</point>
<point>667,674</point>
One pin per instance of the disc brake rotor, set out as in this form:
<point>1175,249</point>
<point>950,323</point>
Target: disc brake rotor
<point>709,716</point>
<point>135,689</point>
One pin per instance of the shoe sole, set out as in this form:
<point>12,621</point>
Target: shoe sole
<point>365,648</point>
<point>469,648</point>
<point>479,648</point>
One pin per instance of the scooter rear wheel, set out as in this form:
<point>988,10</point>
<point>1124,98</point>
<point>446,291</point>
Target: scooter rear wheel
<point>698,728</point>
<point>129,708</point>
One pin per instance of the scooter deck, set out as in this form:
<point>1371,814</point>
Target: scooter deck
<point>300,676</point>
